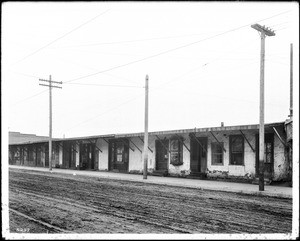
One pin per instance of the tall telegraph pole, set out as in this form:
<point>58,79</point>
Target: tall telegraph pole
<point>50,114</point>
<point>146,130</point>
<point>263,33</point>
<point>291,82</point>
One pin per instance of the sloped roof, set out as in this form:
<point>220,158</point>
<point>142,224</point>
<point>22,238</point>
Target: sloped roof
<point>16,138</point>
<point>20,138</point>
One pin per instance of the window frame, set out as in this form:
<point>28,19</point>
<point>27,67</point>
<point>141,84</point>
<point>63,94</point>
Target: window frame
<point>231,153</point>
<point>212,153</point>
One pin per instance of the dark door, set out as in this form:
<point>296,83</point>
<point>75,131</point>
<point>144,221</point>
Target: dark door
<point>198,154</point>
<point>87,156</point>
<point>39,156</point>
<point>268,157</point>
<point>69,155</point>
<point>46,151</point>
<point>119,155</point>
<point>66,154</point>
<point>162,155</point>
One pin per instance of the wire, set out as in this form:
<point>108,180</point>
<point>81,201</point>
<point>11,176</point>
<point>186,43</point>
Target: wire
<point>168,51</point>
<point>116,107</point>
<point>36,51</point>
<point>129,86</point>
<point>27,75</point>
<point>134,41</point>
<point>27,98</point>
<point>278,24</point>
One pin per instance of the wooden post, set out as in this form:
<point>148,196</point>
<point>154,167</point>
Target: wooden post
<point>50,114</point>
<point>261,116</point>
<point>264,31</point>
<point>291,81</point>
<point>146,131</point>
<point>50,124</point>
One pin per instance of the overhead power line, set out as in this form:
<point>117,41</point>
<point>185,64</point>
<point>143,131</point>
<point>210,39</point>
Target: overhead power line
<point>29,97</point>
<point>133,40</point>
<point>81,25</point>
<point>170,50</point>
<point>128,86</point>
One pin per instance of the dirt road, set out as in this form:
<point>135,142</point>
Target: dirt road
<point>55,203</point>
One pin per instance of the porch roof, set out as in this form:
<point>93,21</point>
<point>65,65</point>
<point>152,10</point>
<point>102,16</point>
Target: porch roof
<point>202,130</point>
<point>16,138</point>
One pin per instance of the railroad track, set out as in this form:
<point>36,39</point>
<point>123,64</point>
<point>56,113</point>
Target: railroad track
<point>48,225</point>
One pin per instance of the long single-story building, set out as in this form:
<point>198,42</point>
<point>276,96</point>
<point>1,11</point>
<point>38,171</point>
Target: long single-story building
<point>229,152</point>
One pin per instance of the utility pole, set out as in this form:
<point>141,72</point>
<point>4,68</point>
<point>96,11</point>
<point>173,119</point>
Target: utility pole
<point>146,130</point>
<point>291,82</point>
<point>50,114</point>
<point>263,33</point>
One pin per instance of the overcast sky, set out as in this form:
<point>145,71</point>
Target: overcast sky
<point>202,59</point>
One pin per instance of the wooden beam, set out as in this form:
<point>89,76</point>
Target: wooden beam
<point>167,149</point>
<point>218,141</point>
<point>95,145</point>
<point>105,140</point>
<point>74,149</point>
<point>247,141</point>
<point>282,141</point>
<point>143,143</point>
<point>77,144</point>
<point>198,141</point>
<point>134,144</point>
<point>127,144</point>
<point>179,138</point>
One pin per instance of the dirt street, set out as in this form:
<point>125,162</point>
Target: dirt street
<point>55,203</point>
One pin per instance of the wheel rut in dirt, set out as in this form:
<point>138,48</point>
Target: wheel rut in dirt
<point>97,205</point>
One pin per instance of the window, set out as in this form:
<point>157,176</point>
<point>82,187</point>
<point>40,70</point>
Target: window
<point>216,153</point>
<point>176,152</point>
<point>120,150</point>
<point>236,150</point>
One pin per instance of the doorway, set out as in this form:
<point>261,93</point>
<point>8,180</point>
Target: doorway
<point>268,157</point>
<point>198,163</point>
<point>119,155</point>
<point>87,156</point>
<point>162,156</point>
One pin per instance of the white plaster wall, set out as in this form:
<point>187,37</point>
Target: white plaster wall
<point>103,156</point>
<point>60,155</point>
<point>77,154</point>
<point>248,169</point>
<point>151,155</point>
<point>135,157</point>
<point>280,165</point>
<point>183,169</point>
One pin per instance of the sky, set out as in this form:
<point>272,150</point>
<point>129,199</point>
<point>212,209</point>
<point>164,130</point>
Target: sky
<point>202,59</point>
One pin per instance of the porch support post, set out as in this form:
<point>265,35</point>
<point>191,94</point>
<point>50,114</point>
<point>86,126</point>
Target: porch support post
<point>143,143</point>
<point>134,145</point>
<point>179,138</point>
<point>167,149</point>
<point>282,141</point>
<point>95,145</point>
<point>218,141</point>
<point>247,141</point>
<point>127,144</point>
<point>198,142</point>
<point>105,140</point>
